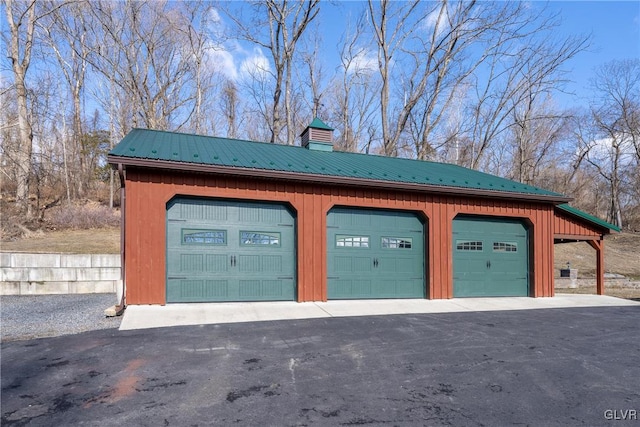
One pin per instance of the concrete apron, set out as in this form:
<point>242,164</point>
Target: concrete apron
<point>158,316</point>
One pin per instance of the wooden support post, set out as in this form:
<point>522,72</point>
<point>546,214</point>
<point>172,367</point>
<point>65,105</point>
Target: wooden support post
<point>598,245</point>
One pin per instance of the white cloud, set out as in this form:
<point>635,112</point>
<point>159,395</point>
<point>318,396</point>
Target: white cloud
<point>437,20</point>
<point>236,63</point>
<point>601,150</point>
<point>215,23</point>
<point>229,57</point>
<point>255,65</point>
<point>364,61</point>
<point>214,16</point>
<point>223,61</point>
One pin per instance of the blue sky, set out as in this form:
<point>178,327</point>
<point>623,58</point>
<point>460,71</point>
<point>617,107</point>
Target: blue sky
<point>613,25</point>
<point>615,30</point>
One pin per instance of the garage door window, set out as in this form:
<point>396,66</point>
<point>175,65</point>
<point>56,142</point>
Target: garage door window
<point>505,247</point>
<point>252,238</point>
<point>396,242</point>
<point>204,237</point>
<point>468,245</point>
<point>352,241</point>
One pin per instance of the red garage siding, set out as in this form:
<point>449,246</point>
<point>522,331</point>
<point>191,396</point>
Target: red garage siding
<point>148,191</point>
<point>568,227</point>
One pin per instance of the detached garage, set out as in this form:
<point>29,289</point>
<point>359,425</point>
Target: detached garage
<point>210,219</point>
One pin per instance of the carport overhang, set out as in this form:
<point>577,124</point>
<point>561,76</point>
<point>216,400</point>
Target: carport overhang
<point>584,228</point>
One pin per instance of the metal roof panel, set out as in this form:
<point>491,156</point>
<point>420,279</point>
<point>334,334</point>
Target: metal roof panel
<point>587,217</point>
<point>198,149</point>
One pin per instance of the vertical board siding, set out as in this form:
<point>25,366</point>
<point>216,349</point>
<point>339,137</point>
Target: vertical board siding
<point>568,226</point>
<point>149,192</point>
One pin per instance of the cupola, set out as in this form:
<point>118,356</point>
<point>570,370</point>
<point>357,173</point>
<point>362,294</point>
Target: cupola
<point>317,136</point>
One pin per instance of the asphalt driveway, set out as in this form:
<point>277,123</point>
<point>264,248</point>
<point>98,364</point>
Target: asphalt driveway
<point>564,367</point>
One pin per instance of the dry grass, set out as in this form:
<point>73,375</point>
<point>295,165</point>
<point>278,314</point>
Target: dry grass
<point>93,241</point>
<point>82,217</point>
<point>84,227</point>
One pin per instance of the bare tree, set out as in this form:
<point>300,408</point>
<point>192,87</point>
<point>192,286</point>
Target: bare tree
<point>313,75</point>
<point>286,26</point>
<point>286,23</point>
<point>65,33</point>
<point>257,111</point>
<point>391,24</point>
<point>197,50</point>
<point>21,18</point>
<point>524,62</point>
<point>603,150</point>
<point>9,134</point>
<point>229,104</point>
<point>617,87</point>
<point>47,126</point>
<point>440,68</point>
<point>534,138</point>
<point>428,57</point>
<point>143,46</point>
<point>354,92</point>
<point>609,134</point>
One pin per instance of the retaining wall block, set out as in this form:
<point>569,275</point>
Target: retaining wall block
<point>9,288</point>
<point>95,287</point>
<point>5,259</point>
<point>35,260</point>
<point>53,274</point>
<point>14,275</point>
<point>98,274</point>
<point>35,274</point>
<point>75,261</point>
<point>105,260</point>
<point>44,288</point>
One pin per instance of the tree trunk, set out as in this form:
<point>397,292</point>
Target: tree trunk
<point>277,125</point>
<point>25,149</point>
<point>20,67</point>
<point>84,175</point>
<point>287,106</point>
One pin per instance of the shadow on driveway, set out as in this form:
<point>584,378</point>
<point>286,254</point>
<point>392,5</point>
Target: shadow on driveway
<point>540,367</point>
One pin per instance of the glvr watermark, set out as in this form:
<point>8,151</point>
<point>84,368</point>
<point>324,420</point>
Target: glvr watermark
<point>621,414</point>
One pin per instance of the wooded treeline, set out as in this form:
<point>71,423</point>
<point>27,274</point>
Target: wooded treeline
<point>471,83</point>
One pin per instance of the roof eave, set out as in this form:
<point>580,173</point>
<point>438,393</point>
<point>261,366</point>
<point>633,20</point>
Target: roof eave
<point>608,228</point>
<point>330,179</point>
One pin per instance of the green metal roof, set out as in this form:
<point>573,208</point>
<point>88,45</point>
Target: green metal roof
<point>196,150</point>
<point>585,216</point>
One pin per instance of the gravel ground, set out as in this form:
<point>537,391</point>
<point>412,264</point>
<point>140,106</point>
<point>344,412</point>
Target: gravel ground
<point>24,317</point>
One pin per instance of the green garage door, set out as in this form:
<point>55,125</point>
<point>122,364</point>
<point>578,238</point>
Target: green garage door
<point>490,257</point>
<point>374,254</point>
<point>229,251</point>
